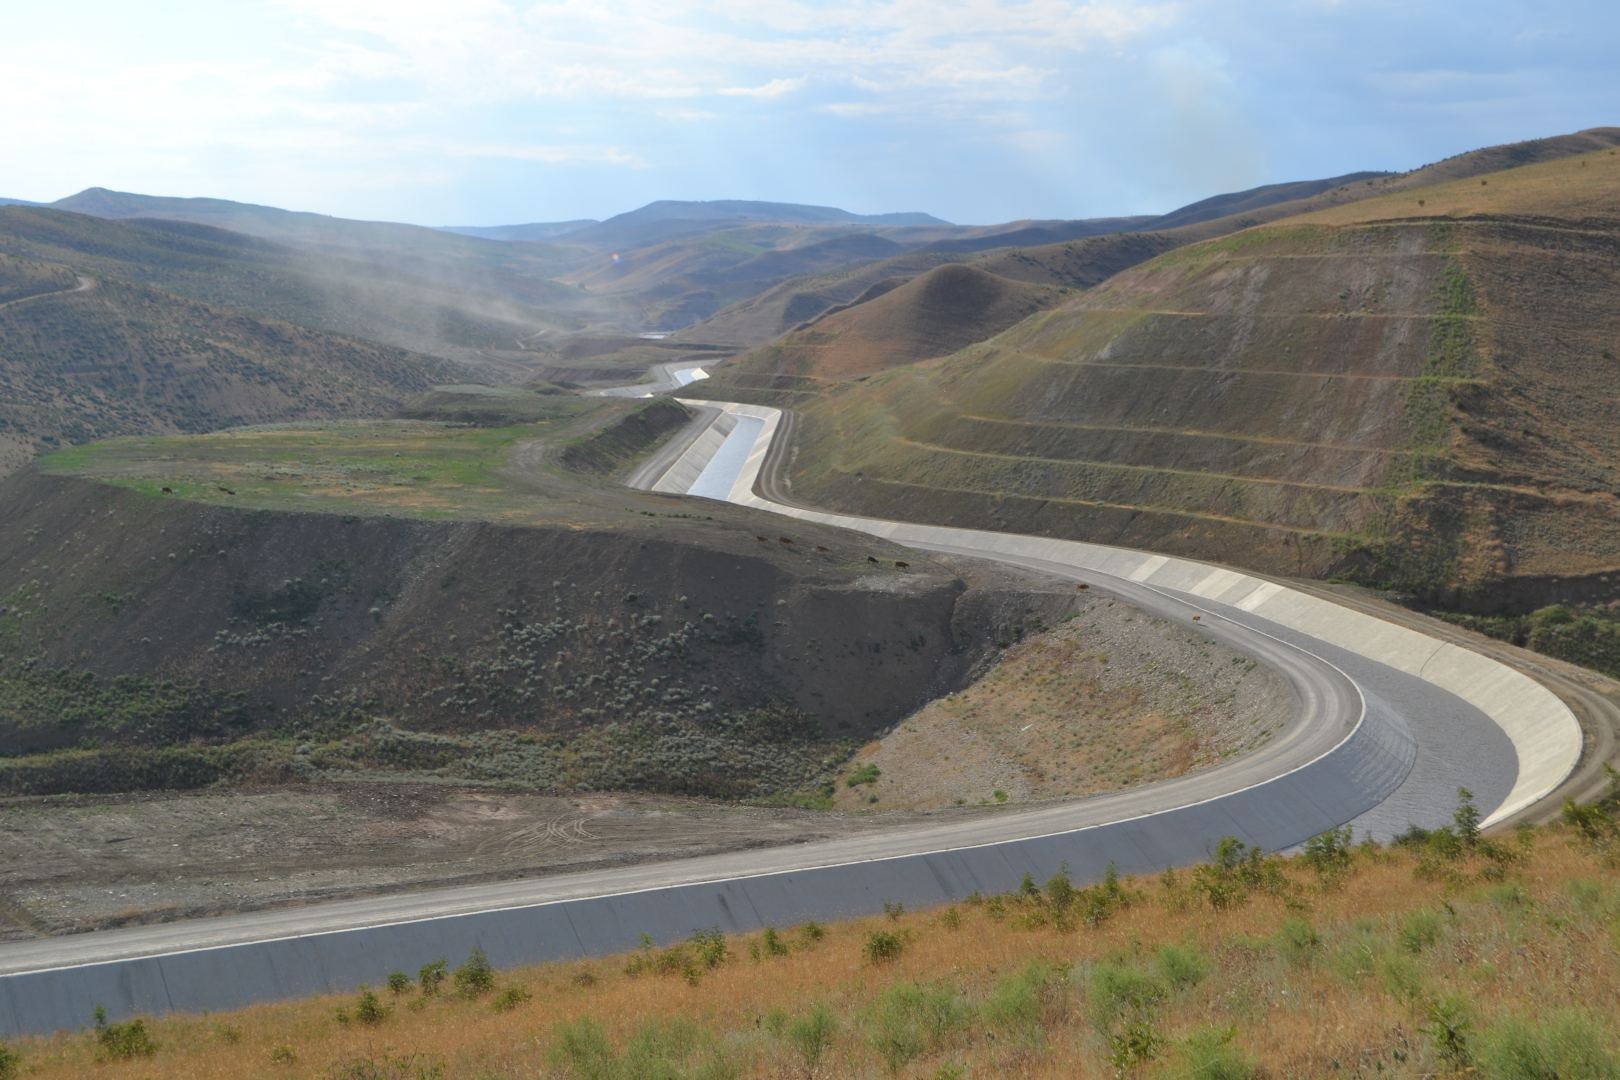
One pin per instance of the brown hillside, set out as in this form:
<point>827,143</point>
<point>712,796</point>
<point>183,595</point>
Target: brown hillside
<point>108,357</point>
<point>1383,390</point>
<point>931,315</point>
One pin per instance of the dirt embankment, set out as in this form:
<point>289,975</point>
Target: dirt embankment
<point>1108,698</point>
<point>673,654</point>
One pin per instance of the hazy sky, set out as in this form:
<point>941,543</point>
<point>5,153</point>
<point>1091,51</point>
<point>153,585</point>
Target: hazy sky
<point>484,112</point>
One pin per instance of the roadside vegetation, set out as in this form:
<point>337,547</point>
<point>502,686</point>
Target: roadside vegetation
<point>1446,953</point>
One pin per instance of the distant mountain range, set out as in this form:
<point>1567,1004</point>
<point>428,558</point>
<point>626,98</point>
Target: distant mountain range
<point>668,218</point>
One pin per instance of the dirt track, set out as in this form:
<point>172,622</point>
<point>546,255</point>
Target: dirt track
<point>78,863</point>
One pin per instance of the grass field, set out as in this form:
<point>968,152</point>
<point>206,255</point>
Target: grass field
<point>437,468</point>
<point>1454,956</point>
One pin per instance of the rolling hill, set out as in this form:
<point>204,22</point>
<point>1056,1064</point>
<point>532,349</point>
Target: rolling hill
<point>1410,388</point>
<point>931,315</point>
<point>90,357</point>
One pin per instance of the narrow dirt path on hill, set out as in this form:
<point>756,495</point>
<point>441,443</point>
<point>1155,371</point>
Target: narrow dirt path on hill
<point>86,284</point>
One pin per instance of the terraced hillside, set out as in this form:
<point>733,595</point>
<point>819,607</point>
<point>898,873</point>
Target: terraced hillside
<point>1414,389</point>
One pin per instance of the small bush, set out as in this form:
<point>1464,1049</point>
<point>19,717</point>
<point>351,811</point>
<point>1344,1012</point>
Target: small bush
<point>1330,853</point>
<point>1181,966</point>
<point>369,1010</point>
<point>1296,941</point>
<point>431,977</point>
<point>703,951</point>
<point>812,932</point>
<point>1566,1045</point>
<point>398,982</point>
<point>883,946</point>
<point>893,909</point>
<point>771,943</point>
<point>1419,930</point>
<point>510,998</point>
<point>812,1034</point>
<point>865,774</point>
<point>582,1050</point>
<point>283,1055</point>
<point>1208,1054</point>
<point>1448,1026</point>
<point>10,1066</point>
<point>125,1040</point>
<point>1121,993</point>
<point>1017,1002</point>
<point>909,1020</point>
<point>475,977</point>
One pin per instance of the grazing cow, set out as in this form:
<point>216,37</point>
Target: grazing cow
<point>168,491</point>
<point>1082,586</point>
<point>784,540</point>
<point>822,549</point>
<point>872,559</point>
<point>761,539</point>
<point>1198,618</point>
<point>226,490</point>
<point>898,565</point>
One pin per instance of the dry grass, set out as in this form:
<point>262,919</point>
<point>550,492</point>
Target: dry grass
<point>1104,700</point>
<point>1014,992</point>
<point>1585,186</point>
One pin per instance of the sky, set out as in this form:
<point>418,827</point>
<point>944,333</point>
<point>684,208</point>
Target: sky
<point>486,112</point>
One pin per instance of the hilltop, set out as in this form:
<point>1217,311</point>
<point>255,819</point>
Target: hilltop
<point>931,315</point>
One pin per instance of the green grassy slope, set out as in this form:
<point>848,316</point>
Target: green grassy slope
<point>1408,389</point>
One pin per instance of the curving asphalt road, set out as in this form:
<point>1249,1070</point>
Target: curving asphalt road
<point>1371,744</point>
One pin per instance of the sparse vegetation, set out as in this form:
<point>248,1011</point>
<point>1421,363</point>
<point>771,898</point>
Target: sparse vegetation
<point>1384,964</point>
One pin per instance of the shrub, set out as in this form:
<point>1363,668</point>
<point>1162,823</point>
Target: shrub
<point>368,1010</point>
<point>1119,992</point>
<point>431,977</point>
<point>476,976</point>
<point>865,774</point>
<point>812,1033</point>
<point>1208,1054</point>
<point>1565,1045</point>
<point>1017,1001</point>
<point>398,982</point>
<point>583,1051</point>
<point>1296,941</point>
<point>1419,930</point>
<point>1449,1021</point>
<point>812,932</point>
<point>893,909</point>
<point>911,1019</point>
<point>1330,853</point>
<point>10,1068</point>
<point>125,1040</point>
<point>283,1055</point>
<point>883,946</point>
<point>703,951</point>
<point>1234,871</point>
<point>510,998</point>
<point>771,943</point>
<point>1181,966</point>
